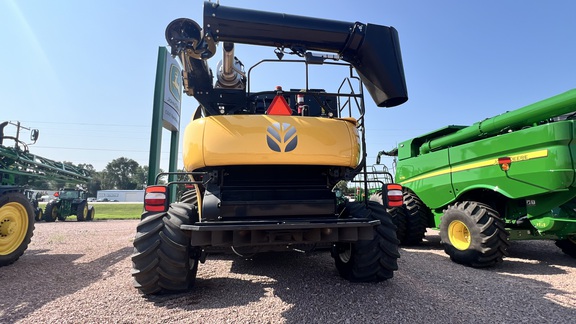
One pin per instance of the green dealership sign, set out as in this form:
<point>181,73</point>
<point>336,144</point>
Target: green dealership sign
<point>166,111</point>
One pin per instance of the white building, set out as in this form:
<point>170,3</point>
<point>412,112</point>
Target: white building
<point>120,195</point>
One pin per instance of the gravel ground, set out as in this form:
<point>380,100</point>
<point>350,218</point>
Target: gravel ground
<point>80,273</point>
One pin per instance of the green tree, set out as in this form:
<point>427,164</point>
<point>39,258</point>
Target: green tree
<point>141,176</point>
<point>88,167</point>
<point>120,174</point>
<point>95,182</point>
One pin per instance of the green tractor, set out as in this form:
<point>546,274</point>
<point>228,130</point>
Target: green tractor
<point>69,202</point>
<point>19,205</point>
<point>509,177</point>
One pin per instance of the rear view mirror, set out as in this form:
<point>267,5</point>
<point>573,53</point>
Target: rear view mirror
<point>34,135</point>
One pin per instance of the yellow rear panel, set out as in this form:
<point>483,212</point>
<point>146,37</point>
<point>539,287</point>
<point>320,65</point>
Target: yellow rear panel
<point>270,140</point>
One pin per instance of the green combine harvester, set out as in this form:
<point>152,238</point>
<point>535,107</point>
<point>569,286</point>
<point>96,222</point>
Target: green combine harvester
<point>510,177</point>
<point>18,210</point>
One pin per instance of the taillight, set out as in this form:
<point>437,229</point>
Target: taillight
<point>394,195</point>
<point>156,199</point>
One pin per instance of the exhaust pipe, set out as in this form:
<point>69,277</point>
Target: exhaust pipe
<point>230,73</point>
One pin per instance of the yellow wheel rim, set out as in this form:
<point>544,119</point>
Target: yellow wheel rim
<point>459,235</point>
<point>13,227</point>
<point>85,212</point>
<point>346,255</point>
<point>54,212</point>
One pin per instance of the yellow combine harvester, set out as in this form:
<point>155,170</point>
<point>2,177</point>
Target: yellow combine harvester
<point>263,166</point>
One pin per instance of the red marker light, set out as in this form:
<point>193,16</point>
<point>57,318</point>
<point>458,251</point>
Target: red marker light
<point>156,199</point>
<point>505,163</point>
<point>395,196</point>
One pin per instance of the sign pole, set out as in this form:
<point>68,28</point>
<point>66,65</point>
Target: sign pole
<point>166,114</point>
<point>156,131</point>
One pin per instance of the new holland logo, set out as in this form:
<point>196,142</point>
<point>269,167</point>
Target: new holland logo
<point>281,137</point>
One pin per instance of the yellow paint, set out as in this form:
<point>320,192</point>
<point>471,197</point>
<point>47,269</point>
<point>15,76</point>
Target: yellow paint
<point>491,162</point>
<point>13,227</point>
<point>242,140</point>
<point>459,235</point>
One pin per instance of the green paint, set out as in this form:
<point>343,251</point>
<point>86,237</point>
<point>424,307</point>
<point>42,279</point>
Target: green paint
<point>175,88</point>
<point>156,131</point>
<point>534,197</point>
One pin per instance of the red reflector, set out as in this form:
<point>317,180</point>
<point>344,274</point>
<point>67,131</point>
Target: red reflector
<point>154,208</point>
<point>504,160</point>
<point>394,196</point>
<point>150,189</point>
<point>504,163</point>
<point>56,194</point>
<point>395,203</point>
<point>154,202</point>
<point>279,106</point>
<point>394,186</point>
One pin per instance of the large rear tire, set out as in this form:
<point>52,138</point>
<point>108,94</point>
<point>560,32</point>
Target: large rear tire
<point>38,214</point>
<point>91,213</point>
<point>51,213</point>
<point>398,215</point>
<point>568,246</point>
<point>369,260</point>
<point>417,215</point>
<point>189,197</point>
<point>161,260</point>
<point>16,226</point>
<point>82,211</point>
<point>473,234</point>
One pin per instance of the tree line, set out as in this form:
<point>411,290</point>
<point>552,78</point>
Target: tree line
<point>121,174</point>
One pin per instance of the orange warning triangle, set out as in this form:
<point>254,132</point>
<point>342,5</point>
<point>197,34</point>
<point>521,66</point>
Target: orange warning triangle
<point>279,106</point>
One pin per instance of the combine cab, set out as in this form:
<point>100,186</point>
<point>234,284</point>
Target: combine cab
<point>262,165</point>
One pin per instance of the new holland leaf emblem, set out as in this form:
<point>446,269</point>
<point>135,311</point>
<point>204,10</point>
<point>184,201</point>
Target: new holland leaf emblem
<point>281,137</point>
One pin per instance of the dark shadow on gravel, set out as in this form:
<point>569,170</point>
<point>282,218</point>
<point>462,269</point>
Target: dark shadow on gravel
<point>212,293</point>
<point>428,288</point>
<point>542,256</point>
<point>220,293</point>
<point>57,274</point>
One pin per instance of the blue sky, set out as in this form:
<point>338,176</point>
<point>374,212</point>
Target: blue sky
<point>83,71</point>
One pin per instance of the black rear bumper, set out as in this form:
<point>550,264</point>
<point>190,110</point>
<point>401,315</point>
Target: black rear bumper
<point>253,233</point>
